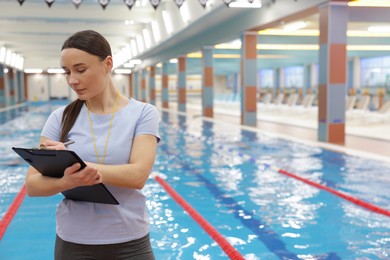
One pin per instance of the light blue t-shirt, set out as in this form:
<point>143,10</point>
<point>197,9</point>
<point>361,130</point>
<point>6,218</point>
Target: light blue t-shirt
<point>95,223</point>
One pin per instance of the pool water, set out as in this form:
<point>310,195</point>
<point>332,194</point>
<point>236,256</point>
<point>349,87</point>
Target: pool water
<point>226,173</point>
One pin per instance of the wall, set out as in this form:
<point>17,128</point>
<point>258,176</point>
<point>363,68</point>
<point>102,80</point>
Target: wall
<point>42,87</point>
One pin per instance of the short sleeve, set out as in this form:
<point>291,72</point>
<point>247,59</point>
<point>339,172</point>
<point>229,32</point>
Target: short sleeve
<point>52,127</point>
<point>149,122</point>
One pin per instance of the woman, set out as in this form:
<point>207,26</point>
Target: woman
<point>117,138</point>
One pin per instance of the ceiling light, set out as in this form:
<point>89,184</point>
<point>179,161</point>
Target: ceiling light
<point>156,31</point>
<point>245,4</point>
<point>37,71</point>
<point>378,3</point>
<point>379,29</point>
<point>185,12</point>
<point>140,43</point>
<point>133,45</point>
<point>147,39</point>
<point>54,71</point>
<point>136,62</point>
<point>128,65</point>
<point>294,26</point>
<point>122,71</point>
<point>3,51</point>
<point>167,22</point>
<point>8,56</point>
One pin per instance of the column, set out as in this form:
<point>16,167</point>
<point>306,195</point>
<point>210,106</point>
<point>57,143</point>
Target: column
<point>355,84</point>
<point>143,85</point>
<point>307,78</point>
<point>276,83</point>
<point>131,84</point>
<point>11,87</point>
<point>152,85</point>
<point>332,70</point>
<point>181,88</point>
<point>207,82</point>
<point>20,83</point>
<point>164,87</point>
<point>2,86</point>
<point>249,79</point>
<point>136,84</point>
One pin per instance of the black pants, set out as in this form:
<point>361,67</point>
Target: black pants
<point>139,249</point>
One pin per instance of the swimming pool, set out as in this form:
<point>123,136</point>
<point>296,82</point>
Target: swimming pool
<point>230,176</point>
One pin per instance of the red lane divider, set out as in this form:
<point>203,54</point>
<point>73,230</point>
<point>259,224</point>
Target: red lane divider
<point>224,244</point>
<point>354,200</point>
<point>9,215</point>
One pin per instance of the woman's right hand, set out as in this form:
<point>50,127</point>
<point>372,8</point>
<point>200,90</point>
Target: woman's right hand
<point>74,177</point>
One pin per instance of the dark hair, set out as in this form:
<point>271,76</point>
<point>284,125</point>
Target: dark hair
<point>95,44</point>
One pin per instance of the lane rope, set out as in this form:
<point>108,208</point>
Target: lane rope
<point>340,194</point>
<point>9,215</point>
<point>223,243</point>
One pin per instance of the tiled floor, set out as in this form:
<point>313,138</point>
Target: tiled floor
<point>370,140</point>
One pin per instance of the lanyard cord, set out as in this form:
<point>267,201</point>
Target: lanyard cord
<point>108,132</point>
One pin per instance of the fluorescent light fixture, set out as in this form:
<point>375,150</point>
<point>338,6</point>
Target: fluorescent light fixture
<point>136,61</point>
<point>13,59</point>
<point>32,71</point>
<point>8,57</point>
<point>245,4</point>
<point>140,43</point>
<point>133,45</point>
<point>173,61</point>
<point>167,22</point>
<point>54,71</point>
<point>147,38</point>
<point>294,26</point>
<point>3,51</point>
<point>301,47</point>
<point>127,51</point>
<point>156,31</point>
<point>19,62</point>
<point>132,63</point>
<point>128,65</point>
<point>378,3</point>
<point>379,29</point>
<point>185,12</point>
<point>122,71</point>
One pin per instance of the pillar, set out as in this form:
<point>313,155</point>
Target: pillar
<point>136,84</point>
<point>249,79</point>
<point>2,86</point>
<point>143,85</point>
<point>332,70</point>
<point>181,88</point>
<point>11,87</point>
<point>152,85</point>
<point>207,82</point>
<point>165,90</point>
<point>131,84</point>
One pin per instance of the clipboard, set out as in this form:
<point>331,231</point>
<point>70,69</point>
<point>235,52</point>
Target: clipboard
<point>53,163</point>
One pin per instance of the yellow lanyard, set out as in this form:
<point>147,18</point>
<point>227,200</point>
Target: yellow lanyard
<point>108,134</point>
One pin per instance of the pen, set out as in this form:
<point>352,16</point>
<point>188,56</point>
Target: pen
<point>68,142</point>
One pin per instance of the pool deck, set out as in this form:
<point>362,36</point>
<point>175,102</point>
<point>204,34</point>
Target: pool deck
<point>362,138</point>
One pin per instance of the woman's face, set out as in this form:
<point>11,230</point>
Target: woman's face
<point>85,73</point>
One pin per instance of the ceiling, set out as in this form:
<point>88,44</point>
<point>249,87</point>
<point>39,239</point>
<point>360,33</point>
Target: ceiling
<point>36,31</point>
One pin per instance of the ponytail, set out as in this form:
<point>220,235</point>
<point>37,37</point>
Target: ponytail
<point>69,117</point>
